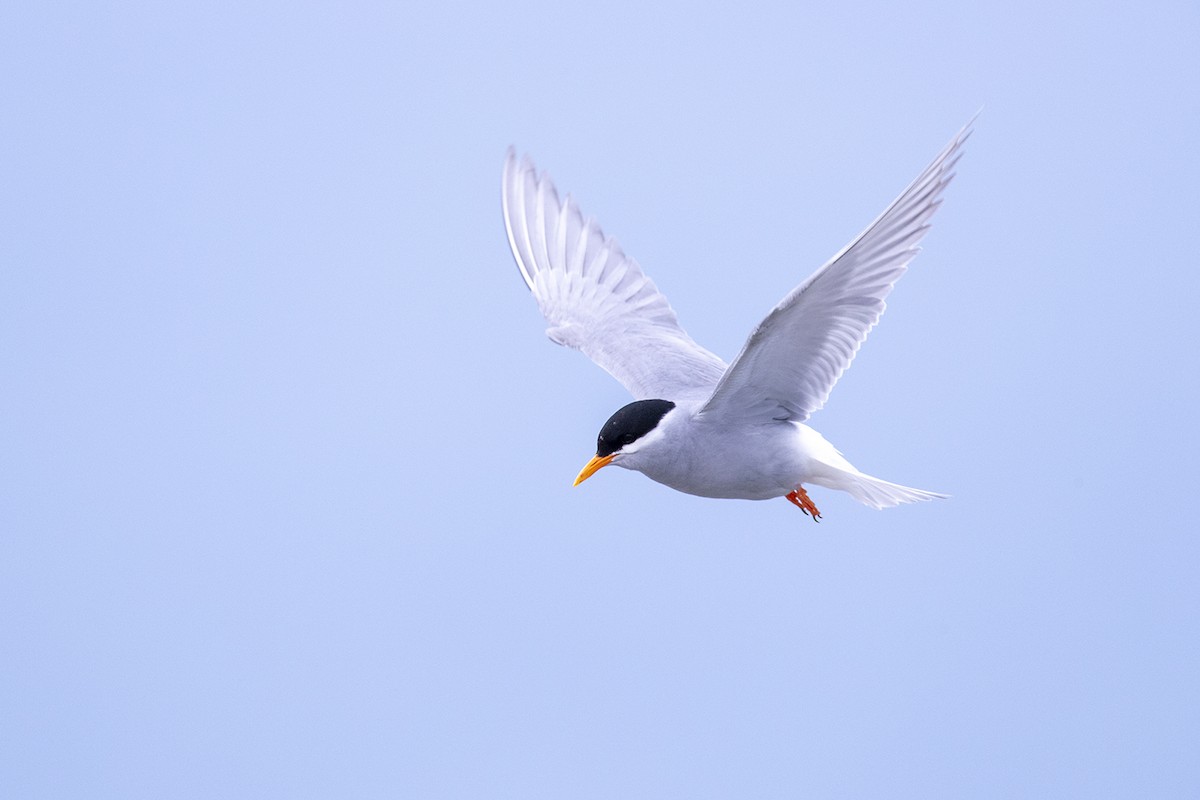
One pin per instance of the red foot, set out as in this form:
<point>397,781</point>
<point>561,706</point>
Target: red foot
<point>802,501</point>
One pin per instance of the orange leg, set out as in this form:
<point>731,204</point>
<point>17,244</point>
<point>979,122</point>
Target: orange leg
<point>802,501</point>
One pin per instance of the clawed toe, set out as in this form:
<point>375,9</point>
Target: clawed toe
<point>801,500</point>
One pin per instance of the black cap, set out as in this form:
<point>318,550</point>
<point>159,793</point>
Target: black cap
<point>630,424</point>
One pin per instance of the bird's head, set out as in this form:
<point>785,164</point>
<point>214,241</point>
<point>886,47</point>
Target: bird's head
<point>625,433</point>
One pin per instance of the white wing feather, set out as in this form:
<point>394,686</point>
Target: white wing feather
<point>790,363</point>
<point>594,297</point>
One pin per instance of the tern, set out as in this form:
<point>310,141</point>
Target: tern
<point>697,424</point>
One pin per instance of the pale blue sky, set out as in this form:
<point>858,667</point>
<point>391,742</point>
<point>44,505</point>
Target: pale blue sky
<point>286,461</point>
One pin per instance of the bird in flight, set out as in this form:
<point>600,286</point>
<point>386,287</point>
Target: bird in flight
<point>697,424</point>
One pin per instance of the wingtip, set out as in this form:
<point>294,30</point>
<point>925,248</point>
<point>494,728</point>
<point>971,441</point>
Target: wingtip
<point>510,169</point>
<point>513,164</point>
<point>965,131</point>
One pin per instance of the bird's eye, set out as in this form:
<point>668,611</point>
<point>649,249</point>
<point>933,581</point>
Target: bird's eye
<point>628,438</point>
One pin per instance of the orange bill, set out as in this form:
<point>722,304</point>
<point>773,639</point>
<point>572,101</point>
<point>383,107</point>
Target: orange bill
<point>590,468</point>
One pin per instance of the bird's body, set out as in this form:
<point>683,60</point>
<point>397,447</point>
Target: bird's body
<point>707,457</point>
<point>698,455</point>
<point>697,424</point>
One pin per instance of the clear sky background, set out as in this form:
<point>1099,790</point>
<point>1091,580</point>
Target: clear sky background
<point>286,461</point>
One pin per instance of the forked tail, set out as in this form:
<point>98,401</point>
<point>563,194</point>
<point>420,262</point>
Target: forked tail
<point>829,468</point>
<point>872,491</point>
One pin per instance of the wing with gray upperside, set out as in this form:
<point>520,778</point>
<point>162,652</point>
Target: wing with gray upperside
<point>595,298</point>
<point>790,363</point>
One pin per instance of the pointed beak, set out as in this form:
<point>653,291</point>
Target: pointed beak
<point>589,468</point>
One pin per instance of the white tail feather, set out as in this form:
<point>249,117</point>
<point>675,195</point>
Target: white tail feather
<point>829,468</point>
<point>872,491</point>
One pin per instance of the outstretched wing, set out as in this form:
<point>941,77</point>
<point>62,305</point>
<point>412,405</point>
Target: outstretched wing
<point>594,297</point>
<point>792,360</point>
